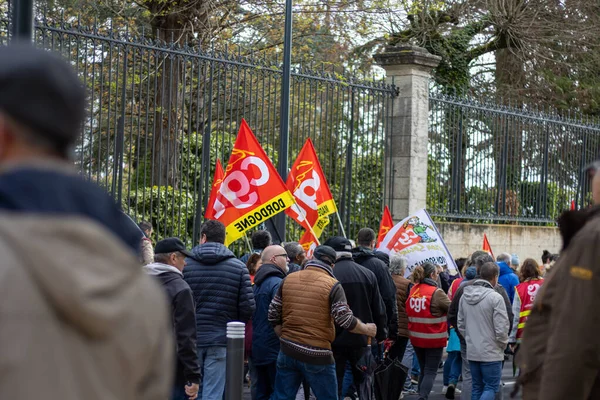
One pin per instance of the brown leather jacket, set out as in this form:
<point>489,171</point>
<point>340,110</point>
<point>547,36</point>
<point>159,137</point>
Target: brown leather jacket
<point>401,295</point>
<point>559,356</point>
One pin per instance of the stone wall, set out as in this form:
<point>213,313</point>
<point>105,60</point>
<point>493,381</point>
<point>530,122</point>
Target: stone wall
<point>525,241</point>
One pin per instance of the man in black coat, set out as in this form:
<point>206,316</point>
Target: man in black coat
<point>222,293</point>
<point>169,257</point>
<point>362,294</point>
<point>365,256</point>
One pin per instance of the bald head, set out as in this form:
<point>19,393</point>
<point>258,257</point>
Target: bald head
<point>275,255</point>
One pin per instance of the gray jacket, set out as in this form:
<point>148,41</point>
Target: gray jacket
<point>483,322</point>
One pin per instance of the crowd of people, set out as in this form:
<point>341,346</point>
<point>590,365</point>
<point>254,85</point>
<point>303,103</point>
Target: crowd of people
<point>80,319</point>
<point>310,321</point>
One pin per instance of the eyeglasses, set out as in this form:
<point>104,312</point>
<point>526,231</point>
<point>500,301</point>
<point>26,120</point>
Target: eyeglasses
<point>280,255</point>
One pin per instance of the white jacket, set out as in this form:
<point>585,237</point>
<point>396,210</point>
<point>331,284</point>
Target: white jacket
<point>483,322</point>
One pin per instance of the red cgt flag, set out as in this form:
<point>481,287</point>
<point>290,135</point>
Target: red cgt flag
<point>486,245</point>
<point>209,213</point>
<point>387,223</point>
<point>252,191</point>
<point>307,183</point>
<point>309,243</point>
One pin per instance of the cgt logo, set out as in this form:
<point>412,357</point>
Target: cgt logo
<point>417,304</point>
<point>239,187</point>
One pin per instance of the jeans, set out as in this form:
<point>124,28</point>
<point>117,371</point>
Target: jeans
<point>407,361</point>
<point>398,349</point>
<point>467,382</point>
<point>265,381</point>
<point>343,356</point>
<point>348,380</point>
<point>212,365</point>
<point>429,361</point>
<point>290,372</point>
<point>486,379</point>
<point>452,368</point>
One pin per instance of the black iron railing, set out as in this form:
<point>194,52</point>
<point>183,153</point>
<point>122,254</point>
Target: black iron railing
<point>491,163</point>
<point>161,114</point>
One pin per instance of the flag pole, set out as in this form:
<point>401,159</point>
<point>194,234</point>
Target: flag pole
<point>341,224</point>
<point>247,242</point>
<point>313,233</point>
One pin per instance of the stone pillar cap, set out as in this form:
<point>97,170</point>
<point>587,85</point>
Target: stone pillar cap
<point>406,55</point>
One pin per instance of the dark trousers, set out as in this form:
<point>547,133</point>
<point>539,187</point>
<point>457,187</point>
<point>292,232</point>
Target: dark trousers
<point>350,355</point>
<point>265,381</point>
<point>429,361</point>
<point>398,348</point>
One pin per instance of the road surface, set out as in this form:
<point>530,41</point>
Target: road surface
<point>437,388</point>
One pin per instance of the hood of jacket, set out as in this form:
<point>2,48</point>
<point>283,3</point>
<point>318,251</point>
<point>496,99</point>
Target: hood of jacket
<point>86,274</point>
<point>155,269</point>
<point>211,253</point>
<point>266,271</point>
<point>479,290</point>
<point>362,253</point>
<point>571,222</point>
<point>75,243</point>
<point>504,268</point>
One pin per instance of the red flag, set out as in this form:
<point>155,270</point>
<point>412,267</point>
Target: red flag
<point>307,183</point>
<point>572,205</point>
<point>209,213</point>
<point>386,224</point>
<point>252,191</point>
<point>309,243</point>
<point>486,245</point>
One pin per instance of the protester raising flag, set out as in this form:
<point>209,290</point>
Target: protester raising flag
<point>486,245</point>
<point>209,213</point>
<point>252,191</point>
<point>307,183</point>
<point>386,224</point>
<point>418,240</point>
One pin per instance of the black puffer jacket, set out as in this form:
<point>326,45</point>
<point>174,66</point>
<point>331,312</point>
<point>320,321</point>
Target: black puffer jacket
<point>362,294</point>
<point>387,289</point>
<point>222,291</point>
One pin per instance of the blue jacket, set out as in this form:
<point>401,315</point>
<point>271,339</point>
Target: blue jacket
<point>508,279</point>
<point>222,291</point>
<point>265,343</point>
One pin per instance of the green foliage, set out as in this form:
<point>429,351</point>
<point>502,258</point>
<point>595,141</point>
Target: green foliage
<point>170,211</point>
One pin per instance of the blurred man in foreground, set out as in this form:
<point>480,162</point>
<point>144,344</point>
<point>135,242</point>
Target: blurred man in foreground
<point>79,319</point>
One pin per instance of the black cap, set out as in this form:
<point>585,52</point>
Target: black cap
<point>338,243</point>
<point>325,254</point>
<point>171,245</point>
<point>42,91</point>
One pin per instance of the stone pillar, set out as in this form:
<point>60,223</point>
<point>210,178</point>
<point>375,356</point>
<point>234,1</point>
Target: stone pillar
<point>409,68</point>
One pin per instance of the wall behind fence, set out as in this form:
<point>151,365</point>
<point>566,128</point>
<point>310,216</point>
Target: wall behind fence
<point>161,114</point>
<point>525,241</point>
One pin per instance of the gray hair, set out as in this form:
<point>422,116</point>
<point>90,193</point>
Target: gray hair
<point>398,265</point>
<point>504,257</point>
<point>163,258</point>
<point>293,249</point>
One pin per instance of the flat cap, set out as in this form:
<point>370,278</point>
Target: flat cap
<point>325,254</point>
<point>41,91</point>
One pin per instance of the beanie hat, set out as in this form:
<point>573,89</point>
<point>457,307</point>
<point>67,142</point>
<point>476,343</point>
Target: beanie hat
<point>471,273</point>
<point>338,243</point>
<point>515,260</point>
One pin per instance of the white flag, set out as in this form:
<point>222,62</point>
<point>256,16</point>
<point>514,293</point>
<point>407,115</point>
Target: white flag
<point>417,239</point>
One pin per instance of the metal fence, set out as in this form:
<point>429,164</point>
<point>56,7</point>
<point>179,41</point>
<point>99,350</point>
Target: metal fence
<point>491,163</point>
<point>160,115</point>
